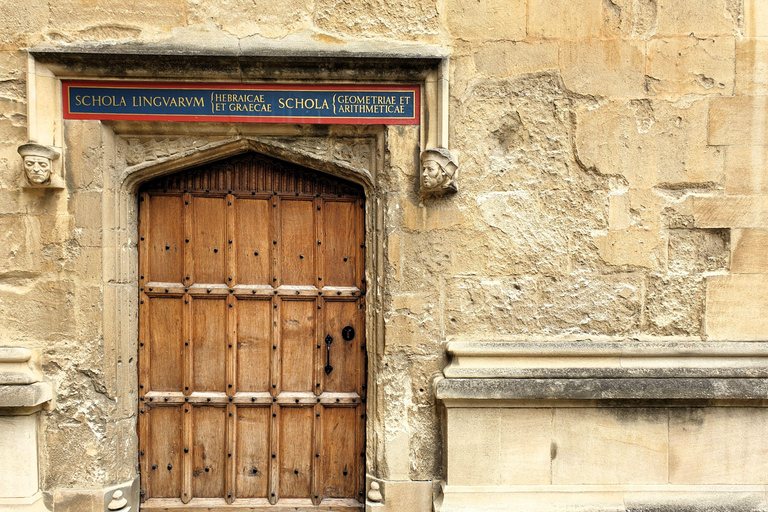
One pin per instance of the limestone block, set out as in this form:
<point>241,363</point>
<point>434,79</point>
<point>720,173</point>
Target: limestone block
<point>738,120</point>
<point>492,446</point>
<point>692,65</point>
<point>745,170</point>
<point>612,67</point>
<point>749,254</point>
<point>504,59</point>
<point>731,211</point>
<point>564,19</point>
<point>694,251</point>
<point>735,307</point>
<point>420,218</point>
<point>618,212</point>
<point>634,18</point>
<point>77,500</point>
<point>20,244</point>
<point>495,20</point>
<point>99,21</point>
<point>20,23</point>
<point>87,209</point>
<point>83,167</point>
<point>752,65</point>
<point>755,14</point>
<point>718,445</point>
<point>404,496</point>
<point>636,247</point>
<point>408,19</point>
<point>609,446</point>
<point>649,143</point>
<point>710,18</point>
<point>244,18</point>
<point>674,305</point>
<point>18,444</point>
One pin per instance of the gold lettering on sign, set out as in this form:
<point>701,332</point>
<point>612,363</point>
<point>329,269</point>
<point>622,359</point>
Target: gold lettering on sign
<point>167,101</point>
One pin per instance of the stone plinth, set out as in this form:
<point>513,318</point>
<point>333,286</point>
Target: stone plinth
<point>21,397</point>
<point>605,426</point>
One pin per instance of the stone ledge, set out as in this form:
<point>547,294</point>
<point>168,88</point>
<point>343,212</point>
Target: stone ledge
<point>29,395</point>
<point>449,390</point>
<point>607,360</point>
<point>598,498</point>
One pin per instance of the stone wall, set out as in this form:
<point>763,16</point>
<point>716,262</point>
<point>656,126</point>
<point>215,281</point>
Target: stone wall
<point>612,187</point>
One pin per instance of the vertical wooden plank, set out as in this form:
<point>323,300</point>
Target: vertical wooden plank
<point>297,250</point>
<point>208,343</point>
<point>274,442</point>
<point>231,445</point>
<point>209,239</point>
<point>188,442</point>
<point>208,451</point>
<point>165,468</point>
<point>231,340</point>
<point>166,247</point>
<point>360,247</point>
<point>297,341</point>
<point>360,414</point>
<point>317,448</point>
<point>296,451</point>
<point>254,350</point>
<point>165,343</point>
<point>341,251</point>
<point>252,236</point>
<point>345,355</point>
<point>340,458</point>
<point>231,240</point>
<point>189,262</point>
<point>253,455</point>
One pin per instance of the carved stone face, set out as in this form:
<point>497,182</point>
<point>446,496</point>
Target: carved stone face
<point>432,174</point>
<point>38,169</point>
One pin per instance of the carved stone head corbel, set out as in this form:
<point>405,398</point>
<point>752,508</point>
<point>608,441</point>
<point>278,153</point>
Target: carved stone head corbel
<point>439,172</point>
<point>38,166</point>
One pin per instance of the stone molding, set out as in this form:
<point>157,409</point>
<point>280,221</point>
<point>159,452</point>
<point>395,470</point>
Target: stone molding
<point>19,386</point>
<point>589,370</point>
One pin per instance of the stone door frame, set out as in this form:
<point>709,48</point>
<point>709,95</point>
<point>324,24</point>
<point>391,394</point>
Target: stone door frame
<point>131,153</point>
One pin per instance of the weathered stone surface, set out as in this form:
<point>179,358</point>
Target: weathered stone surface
<point>691,66</point>
<point>738,120</point>
<point>674,305</point>
<point>702,447</point>
<point>246,18</point>
<point>649,143</point>
<point>502,59</point>
<point>749,254</point>
<point>636,18</point>
<point>681,17</point>
<point>752,65</point>
<point>112,19</point>
<point>561,19</point>
<point>635,247</point>
<point>727,318</point>
<point>407,19</point>
<point>609,446</point>
<point>694,251</point>
<point>745,170</point>
<point>495,20</point>
<point>20,23</point>
<point>612,67</point>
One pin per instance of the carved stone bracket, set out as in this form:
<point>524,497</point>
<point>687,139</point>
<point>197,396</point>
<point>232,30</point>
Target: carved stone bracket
<point>38,166</point>
<point>439,172</point>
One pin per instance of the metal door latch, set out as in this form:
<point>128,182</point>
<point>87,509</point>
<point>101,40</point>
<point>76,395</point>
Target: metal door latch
<point>328,367</point>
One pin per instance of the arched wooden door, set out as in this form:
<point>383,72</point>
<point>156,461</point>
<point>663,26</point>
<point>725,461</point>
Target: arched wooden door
<point>252,364</point>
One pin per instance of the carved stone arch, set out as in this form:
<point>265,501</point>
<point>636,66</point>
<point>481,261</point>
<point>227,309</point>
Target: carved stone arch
<point>290,150</point>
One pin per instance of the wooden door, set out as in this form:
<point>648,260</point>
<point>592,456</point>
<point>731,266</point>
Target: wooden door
<point>252,363</point>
